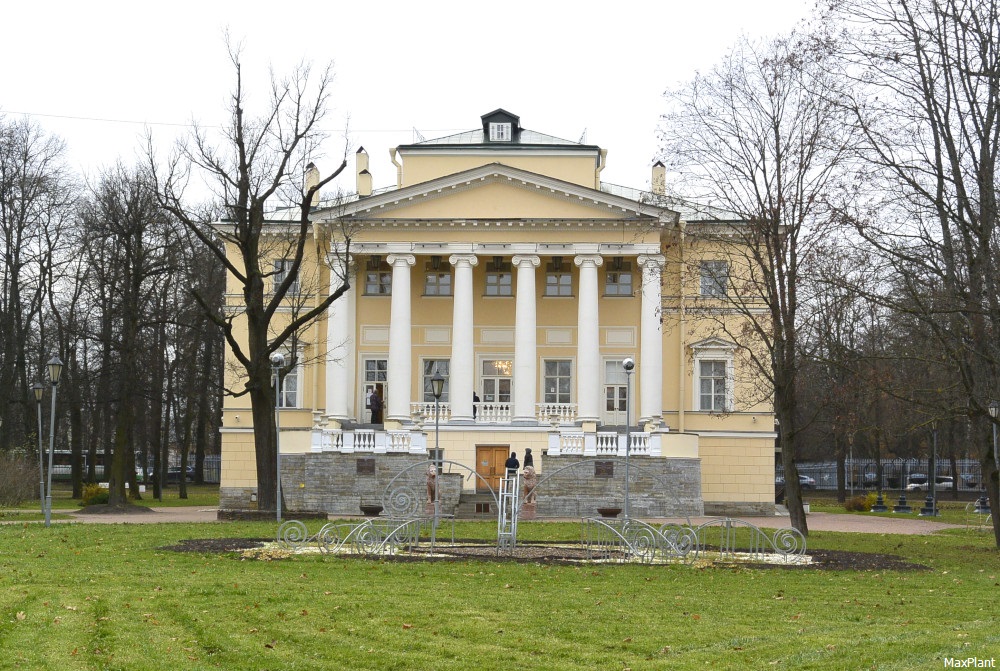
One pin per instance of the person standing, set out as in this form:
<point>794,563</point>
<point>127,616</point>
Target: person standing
<point>376,405</point>
<point>512,464</point>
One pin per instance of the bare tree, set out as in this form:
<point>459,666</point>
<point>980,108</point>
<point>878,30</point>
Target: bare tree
<point>132,243</point>
<point>258,165</point>
<point>926,97</point>
<point>758,139</point>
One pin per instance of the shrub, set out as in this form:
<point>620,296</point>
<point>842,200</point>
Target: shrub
<point>862,503</point>
<point>94,494</point>
<point>18,479</point>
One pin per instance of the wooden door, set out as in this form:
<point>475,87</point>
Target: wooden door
<point>489,465</point>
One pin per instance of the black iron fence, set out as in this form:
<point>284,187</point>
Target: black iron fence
<point>896,474</point>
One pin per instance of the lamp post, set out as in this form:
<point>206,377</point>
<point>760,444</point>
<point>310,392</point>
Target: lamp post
<point>277,363</point>
<point>39,390</point>
<point>629,365</point>
<point>902,506</point>
<point>55,366</point>
<point>437,388</point>
<point>930,507</point>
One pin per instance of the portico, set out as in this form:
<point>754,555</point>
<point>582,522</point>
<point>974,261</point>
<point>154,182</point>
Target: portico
<point>470,343</point>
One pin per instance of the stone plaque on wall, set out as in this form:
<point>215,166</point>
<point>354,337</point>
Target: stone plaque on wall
<point>604,469</point>
<point>366,466</point>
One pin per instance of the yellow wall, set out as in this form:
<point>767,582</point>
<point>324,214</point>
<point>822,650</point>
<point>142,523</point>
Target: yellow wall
<point>570,166</point>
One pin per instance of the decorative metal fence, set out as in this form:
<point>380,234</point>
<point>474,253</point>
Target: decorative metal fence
<point>723,539</point>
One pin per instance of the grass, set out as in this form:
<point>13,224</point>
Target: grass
<point>951,511</point>
<point>106,597</point>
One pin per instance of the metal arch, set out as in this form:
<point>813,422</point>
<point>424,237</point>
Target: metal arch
<point>637,471</point>
<point>786,542</point>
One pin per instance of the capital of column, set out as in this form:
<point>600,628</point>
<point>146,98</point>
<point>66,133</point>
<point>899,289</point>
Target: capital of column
<point>520,260</point>
<point>400,259</point>
<point>587,259</point>
<point>652,262</point>
<point>460,259</point>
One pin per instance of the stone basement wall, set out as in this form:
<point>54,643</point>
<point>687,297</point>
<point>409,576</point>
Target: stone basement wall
<point>658,487</point>
<point>739,508</point>
<point>338,484</point>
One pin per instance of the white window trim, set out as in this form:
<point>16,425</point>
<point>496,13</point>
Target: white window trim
<point>501,131</point>
<point>713,349</point>
<point>572,377</point>
<point>362,399</point>
<point>299,372</point>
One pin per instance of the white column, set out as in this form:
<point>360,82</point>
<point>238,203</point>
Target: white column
<point>400,347</point>
<point>463,359</point>
<point>525,337</point>
<point>340,364</point>
<point>651,340</point>
<point>588,347</point>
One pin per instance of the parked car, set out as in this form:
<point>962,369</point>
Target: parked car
<point>918,482</point>
<point>805,482</point>
<point>174,474</point>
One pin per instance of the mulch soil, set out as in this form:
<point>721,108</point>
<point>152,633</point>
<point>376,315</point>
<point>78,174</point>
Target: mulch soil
<point>830,560</point>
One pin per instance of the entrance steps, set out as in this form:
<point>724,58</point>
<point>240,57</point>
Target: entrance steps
<point>476,507</point>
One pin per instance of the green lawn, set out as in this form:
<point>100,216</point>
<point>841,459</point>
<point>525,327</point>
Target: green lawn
<point>105,597</point>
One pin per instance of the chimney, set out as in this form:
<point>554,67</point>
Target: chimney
<point>312,179</point>
<point>659,178</point>
<point>364,178</point>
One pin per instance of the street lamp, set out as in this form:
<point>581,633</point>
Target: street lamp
<point>629,365</point>
<point>39,390</point>
<point>277,363</point>
<point>930,507</point>
<point>437,388</point>
<point>55,366</point>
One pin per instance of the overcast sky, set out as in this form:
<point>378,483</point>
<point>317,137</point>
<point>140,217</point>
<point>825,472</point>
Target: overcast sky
<point>96,73</point>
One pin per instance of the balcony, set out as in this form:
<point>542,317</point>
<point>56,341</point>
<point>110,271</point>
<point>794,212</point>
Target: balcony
<point>554,414</point>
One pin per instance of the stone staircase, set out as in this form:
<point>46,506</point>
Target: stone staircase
<point>476,507</point>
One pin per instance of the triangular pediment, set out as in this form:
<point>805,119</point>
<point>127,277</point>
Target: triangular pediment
<point>495,191</point>
<point>713,343</point>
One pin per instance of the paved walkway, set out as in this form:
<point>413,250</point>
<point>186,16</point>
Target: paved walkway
<point>873,524</point>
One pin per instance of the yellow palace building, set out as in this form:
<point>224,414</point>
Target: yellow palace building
<point>501,263</point>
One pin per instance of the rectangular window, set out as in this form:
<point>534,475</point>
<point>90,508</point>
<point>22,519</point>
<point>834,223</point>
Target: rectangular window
<point>558,382</point>
<point>281,269</point>
<point>378,277</point>
<point>500,132</point>
<point>712,381</point>
<point>437,277</point>
<point>432,366</point>
<point>558,284</point>
<point>288,390</point>
<point>618,278</point>
<point>499,284</point>
<point>558,279</point>
<point>714,279</point>
<point>499,278</point>
<point>437,284</point>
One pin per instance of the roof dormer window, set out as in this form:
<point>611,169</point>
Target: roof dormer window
<point>500,132</point>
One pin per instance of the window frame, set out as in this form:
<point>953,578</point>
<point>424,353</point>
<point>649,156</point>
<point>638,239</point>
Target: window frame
<point>557,377</point>
<point>280,271</point>
<point>427,373</point>
<point>714,350</point>
<point>712,283</point>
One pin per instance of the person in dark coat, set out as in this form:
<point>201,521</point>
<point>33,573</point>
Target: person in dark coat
<point>512,464</point>
<point>376,405</point>
<point>528,459</point>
